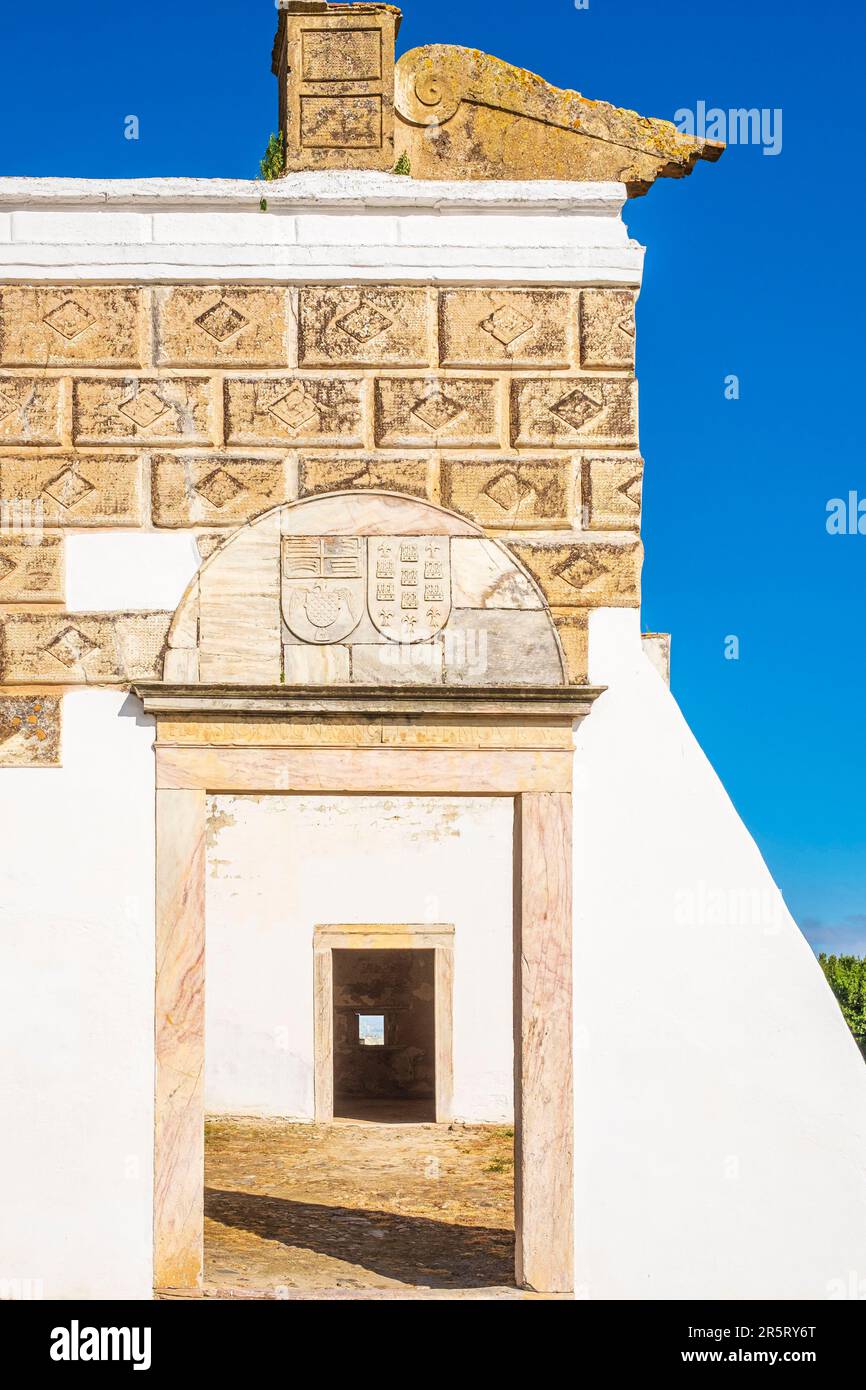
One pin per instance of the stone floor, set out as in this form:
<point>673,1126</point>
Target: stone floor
<point>358,1208</point>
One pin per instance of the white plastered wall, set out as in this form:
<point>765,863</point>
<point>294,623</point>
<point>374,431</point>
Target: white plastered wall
<point>720,1099</point>
<point>280,865</point>
<point>76,1009</point>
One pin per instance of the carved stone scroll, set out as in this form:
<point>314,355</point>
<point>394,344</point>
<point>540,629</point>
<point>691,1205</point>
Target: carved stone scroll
<point>462,114</point>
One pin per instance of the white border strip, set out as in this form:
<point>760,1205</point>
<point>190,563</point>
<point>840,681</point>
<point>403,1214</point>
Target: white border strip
<point>329,227</point>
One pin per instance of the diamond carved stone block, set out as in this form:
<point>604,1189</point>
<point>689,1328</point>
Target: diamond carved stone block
<point>364,323</point>
<point>221,322</point>
<point>420,411</point>
<point>95,326</point>
<point>607,330</point>
<point>68,488</point>
<point>29,410</point>
<point>82,648</point>
<point>74,489</point>
<point>594,575</point>
<point>214,491</point>
<point>299,410</point>
<point>505,328</point>
<point>318,475</point>
<point>30,730</point>
<point>295,409</point>
<point>611,488</point>
<point>71,647</point>
<point>144,409</point>
<point>211,326</point>
<point>220,487</point>
<point>31,567</point>
<point>115,410</point>
<point>510,492</point>
<point>568,411</point>
<point>70,320</point>
<point>365,326</point>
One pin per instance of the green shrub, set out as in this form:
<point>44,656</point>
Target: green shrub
<point>846,976</point>
<point>274,163</point>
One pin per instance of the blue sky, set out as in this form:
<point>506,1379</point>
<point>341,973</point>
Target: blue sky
<point>752,271</point>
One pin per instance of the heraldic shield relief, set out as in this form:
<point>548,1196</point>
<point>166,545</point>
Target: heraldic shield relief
<point>409,586</point>
<point>406,581</point>
<point>323,586</point>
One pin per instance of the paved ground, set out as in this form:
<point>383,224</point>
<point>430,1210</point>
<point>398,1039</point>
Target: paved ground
<point>293,1208</point>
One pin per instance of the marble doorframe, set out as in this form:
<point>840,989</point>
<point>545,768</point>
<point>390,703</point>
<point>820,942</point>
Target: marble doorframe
<point>270,741</point>
<point>383,937</point>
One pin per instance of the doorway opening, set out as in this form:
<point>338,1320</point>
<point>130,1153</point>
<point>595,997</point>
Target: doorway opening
<point>293,1201</point>
<point>384,1051</point>
<point>384,1011</point>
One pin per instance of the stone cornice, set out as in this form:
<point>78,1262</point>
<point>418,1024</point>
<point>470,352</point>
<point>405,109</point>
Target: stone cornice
<point>528,703</point>
<point>319,190</point>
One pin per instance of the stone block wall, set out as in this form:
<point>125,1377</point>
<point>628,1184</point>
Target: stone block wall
<point>200,406</point>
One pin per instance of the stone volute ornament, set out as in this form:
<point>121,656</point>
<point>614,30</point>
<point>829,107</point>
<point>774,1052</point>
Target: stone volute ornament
<point>450,113</point>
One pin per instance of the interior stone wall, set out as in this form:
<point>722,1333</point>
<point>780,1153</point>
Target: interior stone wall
<point>201,406</point>
<point>400,985</point>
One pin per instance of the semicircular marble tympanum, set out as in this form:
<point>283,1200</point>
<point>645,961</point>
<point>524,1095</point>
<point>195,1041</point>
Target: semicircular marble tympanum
<point>364,590</point>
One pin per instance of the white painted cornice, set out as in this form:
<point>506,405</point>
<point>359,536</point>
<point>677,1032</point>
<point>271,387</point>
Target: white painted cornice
<point>337,188</point>
<point>334,226</point>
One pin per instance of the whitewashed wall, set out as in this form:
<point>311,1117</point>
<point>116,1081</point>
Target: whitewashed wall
<point>279,865</point>
<point>720,1099</point>
<point>76,1009</point>
<point>76,983</point>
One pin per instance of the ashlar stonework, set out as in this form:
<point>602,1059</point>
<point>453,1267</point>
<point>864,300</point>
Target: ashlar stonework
<point>512,407</point>
<point>209,327</point>
<point>75,489</point>
<point>31,567</point>
<point>59,327</point>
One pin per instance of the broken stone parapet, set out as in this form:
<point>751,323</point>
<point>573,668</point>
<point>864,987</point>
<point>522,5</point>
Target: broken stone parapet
<point>444,112</point>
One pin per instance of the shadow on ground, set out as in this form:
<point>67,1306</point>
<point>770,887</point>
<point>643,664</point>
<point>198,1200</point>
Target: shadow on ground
<point>413,1249</point>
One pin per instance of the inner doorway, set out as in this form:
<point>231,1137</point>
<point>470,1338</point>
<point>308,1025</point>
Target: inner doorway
<point>384,1048</point>
<point>384,1013</point>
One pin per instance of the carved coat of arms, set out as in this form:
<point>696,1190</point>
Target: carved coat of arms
<point>409,586</point>
<point>323,586</point>
<point>406,581</point>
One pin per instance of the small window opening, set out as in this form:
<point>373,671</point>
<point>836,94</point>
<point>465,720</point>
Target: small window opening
<point>371,1030</point>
